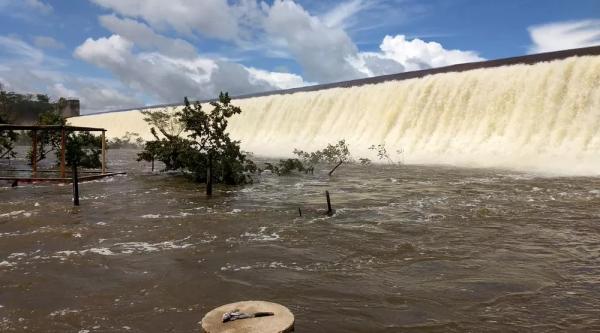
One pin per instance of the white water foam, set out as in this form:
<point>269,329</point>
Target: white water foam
<point>543,117</point>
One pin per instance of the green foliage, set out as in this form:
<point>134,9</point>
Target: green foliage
<point>330,154</point>
<point>364,161</point>
<point>7,140</point>
<point>130,140</point>
<point>286,167</point>
<point>47,141</point>
<point>84,149</point>
<point>206,145</point>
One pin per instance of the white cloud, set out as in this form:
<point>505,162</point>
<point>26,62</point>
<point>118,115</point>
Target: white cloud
<point>26,69</point>
<point>105,52</point>
<point>325,53</point>
<point>169,79</point>
<point>46,42</point>
<point>13,48</point>
<point>212,18</point>
<point>564,35</point>
<point>143,36</point>
<point>413,55</point>
<point>337,16</point>
<point>279,80</point>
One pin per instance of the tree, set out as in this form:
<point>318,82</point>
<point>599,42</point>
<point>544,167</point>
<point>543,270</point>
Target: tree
<point>338,153</point>
<point>211,144</point>
<point>382,153</point>
<point>47,141</point>
<point>7,139</point>
<point>168,147</point>
<point>126,141</point>
<point>206,152</point>
<point>83,148</point>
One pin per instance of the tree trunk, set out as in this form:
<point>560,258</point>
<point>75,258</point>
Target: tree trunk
<point>332,170</point>
<point>209,176</point>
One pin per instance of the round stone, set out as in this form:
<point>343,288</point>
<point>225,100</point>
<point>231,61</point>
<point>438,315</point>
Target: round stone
<point>282,319</point>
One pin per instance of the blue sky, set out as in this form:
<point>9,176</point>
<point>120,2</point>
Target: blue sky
<point>122,53</point>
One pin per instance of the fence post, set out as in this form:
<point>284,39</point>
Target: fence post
<point>75,185</point>
<point>329,210</point>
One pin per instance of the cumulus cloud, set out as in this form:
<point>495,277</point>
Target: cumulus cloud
<point>417,54</point>
<point>169,79</point>
<point>564,35</point>
<point>325,53</point>
<point>280,80</point>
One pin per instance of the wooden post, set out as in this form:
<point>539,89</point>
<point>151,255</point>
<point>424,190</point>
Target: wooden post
<point>209,176</point>
<point>34,153</point>
<point>63,148</point>
<point>103,152</point>
<point>152,163</point>
<point>329,210</point>
<point>75,185</point>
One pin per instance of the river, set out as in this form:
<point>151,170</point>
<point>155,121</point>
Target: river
<point>410,248</point>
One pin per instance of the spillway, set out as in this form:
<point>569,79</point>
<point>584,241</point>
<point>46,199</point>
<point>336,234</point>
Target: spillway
<point>536,117</point>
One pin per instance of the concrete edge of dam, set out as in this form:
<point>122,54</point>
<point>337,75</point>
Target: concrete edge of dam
<point>519,60</point>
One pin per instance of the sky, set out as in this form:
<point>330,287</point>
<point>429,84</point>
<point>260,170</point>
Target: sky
<point>115,54</point>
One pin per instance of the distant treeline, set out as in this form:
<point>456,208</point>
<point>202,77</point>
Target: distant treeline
<point>25,109</point>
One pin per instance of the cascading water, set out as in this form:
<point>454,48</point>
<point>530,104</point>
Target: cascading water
<point>543,117</point>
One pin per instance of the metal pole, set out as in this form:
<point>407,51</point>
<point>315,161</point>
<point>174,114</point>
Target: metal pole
<point>63,144</point>
<point>329,210</point>
<point>75,185</point>
<point>34,153</point>
<point>103,152</point>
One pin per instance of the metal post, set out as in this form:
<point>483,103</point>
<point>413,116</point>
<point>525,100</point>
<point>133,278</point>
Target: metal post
<point>34,153</point>
<point>103,152</point>
<point>329,210</point>
<point>75,184</point>
<point>63,147</point>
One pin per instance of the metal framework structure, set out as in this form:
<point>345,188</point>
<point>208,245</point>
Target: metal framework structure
<point>63,129</point>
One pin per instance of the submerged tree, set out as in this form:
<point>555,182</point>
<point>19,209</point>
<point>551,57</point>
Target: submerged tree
<point>130,140</point>
<point>337,153</point>
<point>207,152</point>
<point>383,154</point>
<point>286,167</point>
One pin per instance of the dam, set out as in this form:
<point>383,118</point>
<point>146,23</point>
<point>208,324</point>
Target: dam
<point>538,113</point>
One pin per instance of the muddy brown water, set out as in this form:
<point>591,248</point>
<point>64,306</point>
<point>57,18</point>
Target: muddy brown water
<point>410,249</point>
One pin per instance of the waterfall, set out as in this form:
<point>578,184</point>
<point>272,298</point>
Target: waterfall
<point>543,117</point>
